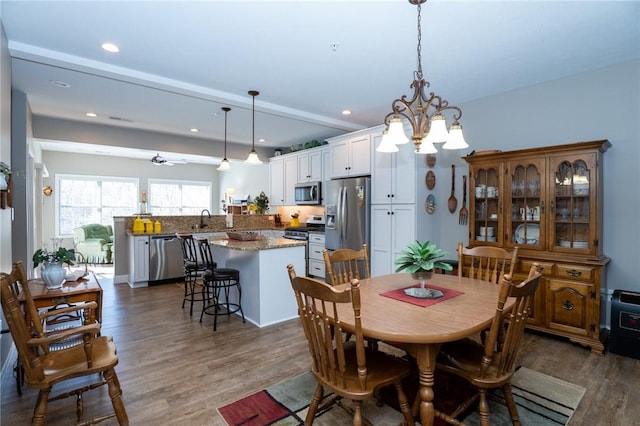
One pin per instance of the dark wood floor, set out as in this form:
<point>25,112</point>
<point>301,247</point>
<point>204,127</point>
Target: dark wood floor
<point>175,370</point>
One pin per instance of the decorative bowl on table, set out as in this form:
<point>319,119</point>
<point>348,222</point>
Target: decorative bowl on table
<point>243,236</point>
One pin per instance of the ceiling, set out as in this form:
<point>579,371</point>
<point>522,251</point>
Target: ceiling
<point>180,62</point>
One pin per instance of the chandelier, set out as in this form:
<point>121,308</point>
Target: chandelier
<point>253,155</point>
<point>224,164</point>
<point>428,124</point>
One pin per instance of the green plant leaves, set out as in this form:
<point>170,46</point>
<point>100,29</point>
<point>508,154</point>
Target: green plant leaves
<point>421,256</point>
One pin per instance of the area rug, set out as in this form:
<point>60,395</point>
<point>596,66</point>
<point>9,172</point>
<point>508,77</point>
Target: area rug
<point>541,399</point>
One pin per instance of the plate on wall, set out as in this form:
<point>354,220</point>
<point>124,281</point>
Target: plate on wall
<point>532,231</point>
<point>430,179</point>
<point>430,204</point>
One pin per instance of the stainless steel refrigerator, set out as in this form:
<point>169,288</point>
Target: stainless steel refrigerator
<point>347,210</point>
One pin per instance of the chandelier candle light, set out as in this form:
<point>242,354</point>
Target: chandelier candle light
<point>424,113</point>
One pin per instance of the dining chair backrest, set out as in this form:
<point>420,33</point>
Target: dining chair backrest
<point>344,265</point>
<point>507,328</point>
<point>486,263</point>
<point>317,307</point>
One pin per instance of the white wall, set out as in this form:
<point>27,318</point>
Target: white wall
<point>602,104</point>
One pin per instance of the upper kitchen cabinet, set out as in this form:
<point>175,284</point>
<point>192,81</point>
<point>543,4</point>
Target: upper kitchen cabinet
<point>350,155</point>
<point>393,180</point>
<point>283,176</point>
<point>310,166</point>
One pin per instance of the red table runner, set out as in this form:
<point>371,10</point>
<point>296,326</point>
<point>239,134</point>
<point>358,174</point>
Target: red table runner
<point>400,295</point>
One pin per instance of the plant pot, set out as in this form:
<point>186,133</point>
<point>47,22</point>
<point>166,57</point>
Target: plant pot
<point>53,275</point>
<point>422,275</point>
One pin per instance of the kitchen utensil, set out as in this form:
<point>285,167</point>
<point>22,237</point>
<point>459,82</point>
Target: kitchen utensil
<point>453,202</point>
<point>464,213</point>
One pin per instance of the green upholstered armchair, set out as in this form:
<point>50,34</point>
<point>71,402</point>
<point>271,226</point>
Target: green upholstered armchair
<point>94,242</point>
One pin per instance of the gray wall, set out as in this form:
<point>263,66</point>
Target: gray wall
<point>602,104</point>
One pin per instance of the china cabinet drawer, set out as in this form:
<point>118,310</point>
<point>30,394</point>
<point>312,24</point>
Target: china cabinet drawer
<point>575,272</point>
<point>525,266</point>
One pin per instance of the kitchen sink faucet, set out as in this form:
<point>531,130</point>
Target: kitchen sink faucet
<point>202,224</point>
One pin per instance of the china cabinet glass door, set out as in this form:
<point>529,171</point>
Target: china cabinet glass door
<point>525,225</point>
<point>571,203</point>
<point>486,196</point>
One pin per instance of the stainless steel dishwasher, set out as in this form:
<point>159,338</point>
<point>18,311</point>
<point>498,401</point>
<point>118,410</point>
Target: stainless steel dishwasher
<point>165,259</point>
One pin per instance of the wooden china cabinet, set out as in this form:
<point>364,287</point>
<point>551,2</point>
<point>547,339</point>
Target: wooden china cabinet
<point>548,202</point>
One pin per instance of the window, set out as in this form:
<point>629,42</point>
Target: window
<point>93,199</point>
<point>172,198</point>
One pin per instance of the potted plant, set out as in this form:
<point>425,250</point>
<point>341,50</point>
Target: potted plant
<point>262,203</point>
<point>5,172</point>
<point>53,274</point>
<point>420,259</point>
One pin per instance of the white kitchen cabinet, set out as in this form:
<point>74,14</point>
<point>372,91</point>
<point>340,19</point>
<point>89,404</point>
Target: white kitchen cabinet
<point>310,166</point>
<point>350,155</point>
<point>276,181</point>
<point>138,261</point>
<point>393,180</point>
<point>326,171</point>
<point>393,227</point>
<point>316,259</point>
<point>290,179</point>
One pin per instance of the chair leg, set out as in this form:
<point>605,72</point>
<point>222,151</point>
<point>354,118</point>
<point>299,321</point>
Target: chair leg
<point>483,407</point>
<point>404,405</point>
<point>357,413</point>
<point>511,404</point>
<point>313,407</point>
<point>40,412</point>
<point>115,392</point>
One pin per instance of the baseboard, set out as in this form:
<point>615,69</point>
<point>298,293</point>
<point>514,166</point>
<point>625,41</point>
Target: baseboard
<point>120,279</point>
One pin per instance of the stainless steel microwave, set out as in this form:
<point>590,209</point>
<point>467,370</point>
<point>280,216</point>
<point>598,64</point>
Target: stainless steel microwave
<point>308,193</point>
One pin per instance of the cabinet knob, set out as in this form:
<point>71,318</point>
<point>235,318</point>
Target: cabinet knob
<point>574,273</point>
<point>388,195</point>
<point>388,213</point>
<point>568,305</point>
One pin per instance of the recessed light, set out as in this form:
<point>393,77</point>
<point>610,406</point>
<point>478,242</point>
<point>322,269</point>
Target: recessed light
<point>59,83</point>
<point>262,140</point>
<point>194,130</point>
<point>346,112</point>
<point>91,114</point>
<point>110,47</point>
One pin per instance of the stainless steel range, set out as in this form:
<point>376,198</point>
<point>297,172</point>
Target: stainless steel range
<point>301,233</point>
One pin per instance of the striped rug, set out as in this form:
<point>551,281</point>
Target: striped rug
<point>541,399</point>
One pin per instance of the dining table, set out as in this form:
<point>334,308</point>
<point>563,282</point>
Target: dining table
<point>421,326</point>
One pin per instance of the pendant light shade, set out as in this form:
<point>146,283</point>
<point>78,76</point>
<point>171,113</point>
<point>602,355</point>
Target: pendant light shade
<point>253,155</point>
<point>397,135</point>
<point>385,143</point>
<point>456,139</point>
<point>224,164</point>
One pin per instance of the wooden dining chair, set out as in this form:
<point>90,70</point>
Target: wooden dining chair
<point>343,265</point>
<point>486,263</point>
<point>490,366</point>
<point>44,368</point>
<point>348,369</point>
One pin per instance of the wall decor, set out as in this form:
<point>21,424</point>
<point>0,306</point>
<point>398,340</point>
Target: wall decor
<point>430,159</point>
<point>430,179</point>
<point>430,205</point>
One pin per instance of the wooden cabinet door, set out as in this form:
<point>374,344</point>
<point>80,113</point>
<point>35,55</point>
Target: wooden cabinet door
<point>569,307</point>
<point>485,204</point>
<point>573,201</point>
<point>525,186</point>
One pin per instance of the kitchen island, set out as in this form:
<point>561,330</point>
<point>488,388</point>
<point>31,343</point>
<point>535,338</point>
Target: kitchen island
<point>267,297</point>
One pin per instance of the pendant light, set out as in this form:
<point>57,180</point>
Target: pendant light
<point>224,164</point>
<point>253,156</point>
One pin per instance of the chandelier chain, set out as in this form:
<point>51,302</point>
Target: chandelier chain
<point>419,72</point>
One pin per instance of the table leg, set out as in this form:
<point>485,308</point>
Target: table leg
<point>426,359</point>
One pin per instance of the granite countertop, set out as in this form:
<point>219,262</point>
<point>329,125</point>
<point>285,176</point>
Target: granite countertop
<point>263,243</point>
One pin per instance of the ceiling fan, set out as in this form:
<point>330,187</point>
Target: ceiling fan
<point>159,160</point>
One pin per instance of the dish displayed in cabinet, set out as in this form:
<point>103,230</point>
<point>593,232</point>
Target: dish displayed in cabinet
<point>576,244</point>
<point>532,232</point>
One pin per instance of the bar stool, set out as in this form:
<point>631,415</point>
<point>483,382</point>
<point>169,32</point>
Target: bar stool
<point>217,286</point>
<point>193,269</point>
